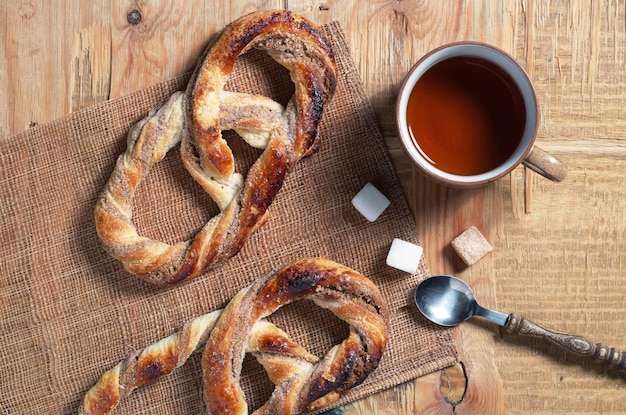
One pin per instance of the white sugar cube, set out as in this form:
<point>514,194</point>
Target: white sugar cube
<point>404,256</point>
<point>370,202</point>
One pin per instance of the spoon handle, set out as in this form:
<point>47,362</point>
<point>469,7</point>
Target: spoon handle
<point>578,345</point>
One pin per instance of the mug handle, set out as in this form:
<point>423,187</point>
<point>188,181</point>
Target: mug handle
<point>545,164</point>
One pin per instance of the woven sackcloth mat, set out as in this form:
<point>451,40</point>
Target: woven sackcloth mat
<point>69,312</point>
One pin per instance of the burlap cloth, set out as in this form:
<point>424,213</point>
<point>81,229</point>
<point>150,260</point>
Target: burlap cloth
<point>69,312</point>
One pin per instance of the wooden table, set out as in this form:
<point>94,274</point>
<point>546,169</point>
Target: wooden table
<point>559,249</point>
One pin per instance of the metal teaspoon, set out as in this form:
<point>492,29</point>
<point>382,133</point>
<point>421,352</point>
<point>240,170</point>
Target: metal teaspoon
<point>448,301</point>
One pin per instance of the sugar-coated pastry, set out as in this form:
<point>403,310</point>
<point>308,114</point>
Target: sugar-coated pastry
<point>195,118</point>
<point>302,380</point>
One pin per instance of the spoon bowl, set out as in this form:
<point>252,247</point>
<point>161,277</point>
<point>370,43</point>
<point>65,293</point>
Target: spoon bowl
<point>448,301</point>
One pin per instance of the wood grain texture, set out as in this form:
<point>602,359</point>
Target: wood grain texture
<point>559,249</point>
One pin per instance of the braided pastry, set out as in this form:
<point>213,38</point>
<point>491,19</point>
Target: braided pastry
<point>303,382</point>
<point>195,118</point>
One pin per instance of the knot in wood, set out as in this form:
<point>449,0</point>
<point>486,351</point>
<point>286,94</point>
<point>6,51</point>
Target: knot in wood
<point>134,17</point>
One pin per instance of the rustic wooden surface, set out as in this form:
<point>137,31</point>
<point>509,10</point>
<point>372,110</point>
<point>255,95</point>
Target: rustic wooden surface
<point>559,249</point>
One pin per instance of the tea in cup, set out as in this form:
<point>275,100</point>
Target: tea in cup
<point>467,114</point>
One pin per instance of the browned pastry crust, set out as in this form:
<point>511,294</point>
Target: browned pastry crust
<point>195,118</point>
<point>303,381</point>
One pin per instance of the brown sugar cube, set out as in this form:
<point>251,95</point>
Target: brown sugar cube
<point>471,245</point>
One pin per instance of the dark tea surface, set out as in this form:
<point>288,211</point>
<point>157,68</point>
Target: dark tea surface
<point>466,116</point>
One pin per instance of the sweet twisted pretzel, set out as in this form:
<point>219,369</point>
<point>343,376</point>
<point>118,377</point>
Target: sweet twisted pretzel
<point>303,382</point>
<point>196,118</point>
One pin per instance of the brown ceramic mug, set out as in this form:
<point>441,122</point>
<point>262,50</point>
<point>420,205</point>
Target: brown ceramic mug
<point>467,114</point>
